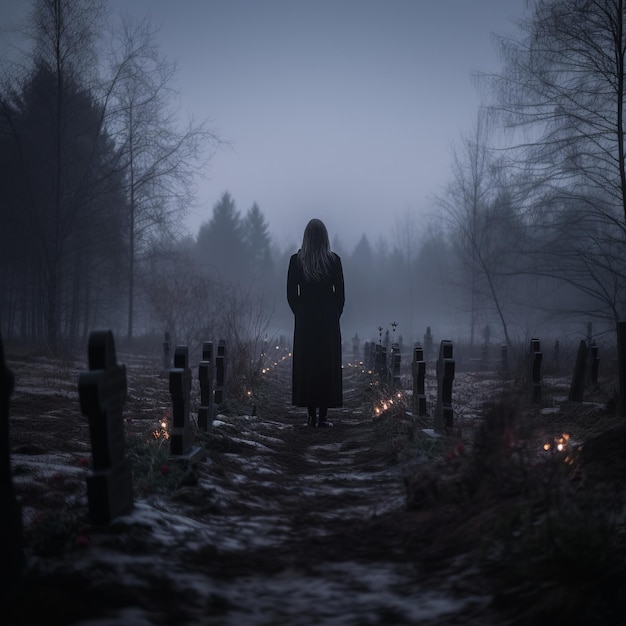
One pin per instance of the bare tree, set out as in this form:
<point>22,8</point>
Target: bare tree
<point>480,219</point>
<point>160,157</point>
<point>562,94</point>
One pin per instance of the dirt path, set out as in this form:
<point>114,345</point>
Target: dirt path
<point>279,524</point>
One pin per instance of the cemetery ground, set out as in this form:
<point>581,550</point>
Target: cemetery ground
<point>514,517</point>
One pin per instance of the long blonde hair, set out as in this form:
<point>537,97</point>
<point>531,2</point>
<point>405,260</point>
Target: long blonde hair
<point>315,255</point>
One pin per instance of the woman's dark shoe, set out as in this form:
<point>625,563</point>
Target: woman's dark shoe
<point>322,422</point>
<point>311,421</point>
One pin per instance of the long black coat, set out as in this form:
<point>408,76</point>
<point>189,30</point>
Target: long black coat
<point>317,307</point>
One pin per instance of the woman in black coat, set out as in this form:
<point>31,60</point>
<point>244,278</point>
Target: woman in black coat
<point>315,293</point>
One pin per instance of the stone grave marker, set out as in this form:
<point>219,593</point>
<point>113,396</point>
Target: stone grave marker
<point>12,558</point>
<point>220,371</point>
<point>419,379</point>
<point>102,392</point>
<point>536,358</point>
<point>444,417</point>
<point>577,386</point>
<point>205,376</point>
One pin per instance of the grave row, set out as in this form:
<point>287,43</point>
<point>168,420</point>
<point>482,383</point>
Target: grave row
<point>585,371</point>
<point>102,392</point>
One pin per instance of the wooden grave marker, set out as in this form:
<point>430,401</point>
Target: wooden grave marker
<point>577,386</point>
<point>205,377</point>
<point>444,416</point>
<point>12,558</point>
<point>102,391</point>
<point>419,379</point>
<point>220,371</point>
<point>536,358</point>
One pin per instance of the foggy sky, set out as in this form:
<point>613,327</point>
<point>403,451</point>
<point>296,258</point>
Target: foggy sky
<point>344,110</point>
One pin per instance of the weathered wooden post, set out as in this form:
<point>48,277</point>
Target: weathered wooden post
<point>220,371</point>
<point>11,530</point>
<point>102,391</point>
<point>205,376</point>
<point>444,416</point>
<point>419,376</point>
<point>536,357</point>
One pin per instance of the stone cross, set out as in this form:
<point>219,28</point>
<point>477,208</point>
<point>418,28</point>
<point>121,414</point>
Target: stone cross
<point>220,371</point>
<point>11,533</point>
<point>444,417</point>
<point>535,369</point>
<point>181,436</point>
<point>205,376</point>
<point>419,377</point>
<point>102,392</point>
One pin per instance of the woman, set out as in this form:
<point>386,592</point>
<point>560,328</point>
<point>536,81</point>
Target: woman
<point>315,293</point>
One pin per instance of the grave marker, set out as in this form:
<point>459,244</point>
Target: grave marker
<point>504,363</point>
<point>444,417</point>
<point>166,357</point>
<point>428,344</point>
<point>577,387</point>
<point>181,437</point>
<point>220,371</point>
<point>621,367</point>
<point>11,531</point>
<point>419,378</point>
<point>205,376</point>
<point>102,392</point>
<point>595,363</point>
<point>536,357</point>
<point>396,360</point>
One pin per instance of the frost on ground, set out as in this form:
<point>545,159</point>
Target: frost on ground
<point>278,523</point>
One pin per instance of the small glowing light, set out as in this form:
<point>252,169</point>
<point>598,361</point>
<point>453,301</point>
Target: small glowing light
<point>560,447</point>
<point>546,446</point>
<point>163,424</point>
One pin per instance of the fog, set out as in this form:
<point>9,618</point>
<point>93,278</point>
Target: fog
<point>345,111</point>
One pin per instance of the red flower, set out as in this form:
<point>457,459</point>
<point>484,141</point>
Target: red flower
<point>83,462</point>
<point>460,449</point>
<point>82,540</point>
<point>165,470</point>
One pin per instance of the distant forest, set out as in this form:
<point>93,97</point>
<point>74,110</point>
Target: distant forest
<point>97,173</point>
